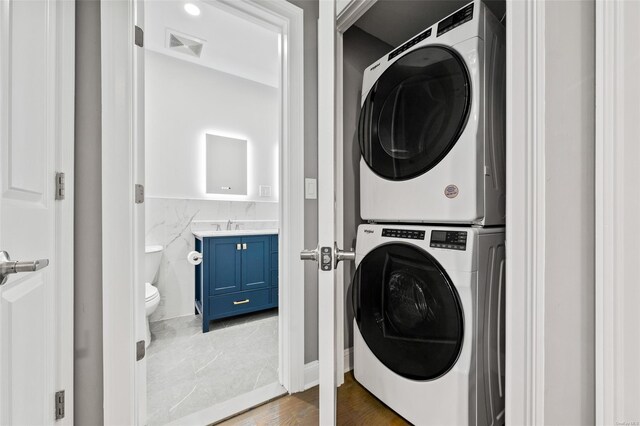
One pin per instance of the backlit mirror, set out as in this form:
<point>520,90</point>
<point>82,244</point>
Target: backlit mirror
<point>226,165</point>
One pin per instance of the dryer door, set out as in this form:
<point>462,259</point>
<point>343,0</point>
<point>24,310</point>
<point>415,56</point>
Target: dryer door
<point>408,311</point>
<point>415,113</point>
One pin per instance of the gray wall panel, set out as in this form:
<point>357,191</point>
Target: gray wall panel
<point>360,50</point>
<point>88,219</point>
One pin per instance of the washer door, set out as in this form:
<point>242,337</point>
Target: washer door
<point>415,113</point>
<point>408,311</point>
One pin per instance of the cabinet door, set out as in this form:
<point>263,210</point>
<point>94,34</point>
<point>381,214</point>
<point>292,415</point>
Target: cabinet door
<point>255,262</point>
<point>274,261</point>
<point>225,258</point>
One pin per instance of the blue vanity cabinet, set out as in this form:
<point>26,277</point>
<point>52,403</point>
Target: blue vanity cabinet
<point>236,276</point>
<point>225,256</point>
<point>273,270</point>
<point>255,262</point>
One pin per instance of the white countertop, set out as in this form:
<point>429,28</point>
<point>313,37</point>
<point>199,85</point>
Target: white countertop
<point>236,232</point>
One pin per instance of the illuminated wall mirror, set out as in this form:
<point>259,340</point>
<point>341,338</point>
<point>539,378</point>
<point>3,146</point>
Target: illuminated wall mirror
<point>226,165</point>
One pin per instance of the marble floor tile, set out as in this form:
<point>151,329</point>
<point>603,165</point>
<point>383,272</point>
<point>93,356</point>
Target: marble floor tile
<point>188,370</point>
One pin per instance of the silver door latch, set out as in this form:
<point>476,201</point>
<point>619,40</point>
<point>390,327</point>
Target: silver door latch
<point>328,258</point>
<point>8,266</point>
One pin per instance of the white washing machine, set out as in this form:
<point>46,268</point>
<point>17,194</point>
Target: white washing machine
<point>432,125</point>
<point>429,321</point>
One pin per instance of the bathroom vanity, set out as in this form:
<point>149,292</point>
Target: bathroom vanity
<point>238,273</point>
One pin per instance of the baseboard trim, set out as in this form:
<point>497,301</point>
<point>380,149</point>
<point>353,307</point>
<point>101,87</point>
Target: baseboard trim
<point>311,369</point>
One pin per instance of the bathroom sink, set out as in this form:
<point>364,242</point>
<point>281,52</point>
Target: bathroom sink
<point>234,232</point>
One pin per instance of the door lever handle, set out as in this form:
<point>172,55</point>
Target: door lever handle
<point>343,255</point>
<point>309,254</point>
<point>8,266</point>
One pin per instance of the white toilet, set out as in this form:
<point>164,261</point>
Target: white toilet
<point>153,254</point>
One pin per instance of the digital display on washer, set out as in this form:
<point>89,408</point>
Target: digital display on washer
<point>403,233</point>
<point>438,236</point>
<point>454,240</point>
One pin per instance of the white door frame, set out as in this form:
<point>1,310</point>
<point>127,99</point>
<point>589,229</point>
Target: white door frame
<point>617,210</point>
<point>525,200</point>
<point>117,54</point>
<point>525,242</point>
<point>65,208</point>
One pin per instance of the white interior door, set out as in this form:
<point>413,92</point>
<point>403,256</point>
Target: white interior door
<point>330,321</point>
<point>36,139</point>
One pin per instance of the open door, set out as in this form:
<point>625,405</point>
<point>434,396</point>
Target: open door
<point>327,254</point>
<point>36,211</point>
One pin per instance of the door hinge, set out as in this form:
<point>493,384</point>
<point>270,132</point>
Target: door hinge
<point>139,37</point>
<point>140,350</point>
<point>59,186</point>
<point>59,402</point>
<point>139,193</point>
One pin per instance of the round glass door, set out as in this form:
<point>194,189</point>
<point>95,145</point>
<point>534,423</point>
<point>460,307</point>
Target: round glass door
<point>415,113</point>
<point>408,311</point>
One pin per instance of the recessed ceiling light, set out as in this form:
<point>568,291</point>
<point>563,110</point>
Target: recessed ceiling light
<point>192,9</point>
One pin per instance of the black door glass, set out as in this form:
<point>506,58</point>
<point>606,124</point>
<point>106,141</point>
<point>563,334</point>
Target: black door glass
<point>408,311</point>
<point>415,113</point>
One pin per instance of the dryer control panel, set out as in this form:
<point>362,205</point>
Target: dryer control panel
<point>454,240</point>
<point>403,233</point>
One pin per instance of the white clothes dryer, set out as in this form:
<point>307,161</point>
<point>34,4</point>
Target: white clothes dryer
<point>432,125</point>
<point>429,321</point>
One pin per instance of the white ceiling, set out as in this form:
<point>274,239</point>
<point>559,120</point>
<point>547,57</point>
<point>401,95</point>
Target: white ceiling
<point>232,44</point>
<point>396,21</point>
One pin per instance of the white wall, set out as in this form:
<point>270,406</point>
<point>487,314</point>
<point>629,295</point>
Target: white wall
<point>184,101</point>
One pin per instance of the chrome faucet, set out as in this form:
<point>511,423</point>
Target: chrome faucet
<point>237,226</point>
<point>229,225</point>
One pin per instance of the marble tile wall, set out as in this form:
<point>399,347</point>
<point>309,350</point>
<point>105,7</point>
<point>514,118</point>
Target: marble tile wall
<point>169,223</point>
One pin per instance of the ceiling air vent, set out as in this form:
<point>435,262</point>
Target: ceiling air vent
<point>184,44</point>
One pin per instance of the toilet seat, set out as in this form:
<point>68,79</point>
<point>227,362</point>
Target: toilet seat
<point>150,293</point>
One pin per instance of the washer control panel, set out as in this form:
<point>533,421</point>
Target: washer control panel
<point>453,240</point>
<point>403,233</point>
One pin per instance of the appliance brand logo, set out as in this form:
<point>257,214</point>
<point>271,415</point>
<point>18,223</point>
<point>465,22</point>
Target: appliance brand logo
<point>368,231</point>
<point>451,191</point>
<point>374,67</point>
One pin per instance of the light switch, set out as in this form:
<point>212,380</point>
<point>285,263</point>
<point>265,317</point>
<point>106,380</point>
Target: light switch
<point>310,189</point>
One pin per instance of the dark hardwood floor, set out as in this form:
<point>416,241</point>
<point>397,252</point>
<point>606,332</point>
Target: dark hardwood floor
<point>356,406</point>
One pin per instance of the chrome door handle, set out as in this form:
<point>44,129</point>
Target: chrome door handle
<point>8,266</point>
<point>310,254</point>
<point>341,255</point>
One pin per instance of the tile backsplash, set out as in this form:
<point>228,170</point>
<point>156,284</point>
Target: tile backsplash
<point>169,222</point>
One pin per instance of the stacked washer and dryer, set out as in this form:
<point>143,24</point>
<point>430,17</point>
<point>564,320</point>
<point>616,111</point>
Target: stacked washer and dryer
<point>428,293</point>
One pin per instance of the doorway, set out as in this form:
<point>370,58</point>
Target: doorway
<point>188,208</point>
<point>212,94</point>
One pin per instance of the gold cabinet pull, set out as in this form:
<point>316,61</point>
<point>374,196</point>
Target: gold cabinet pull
<point>241,302</point>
